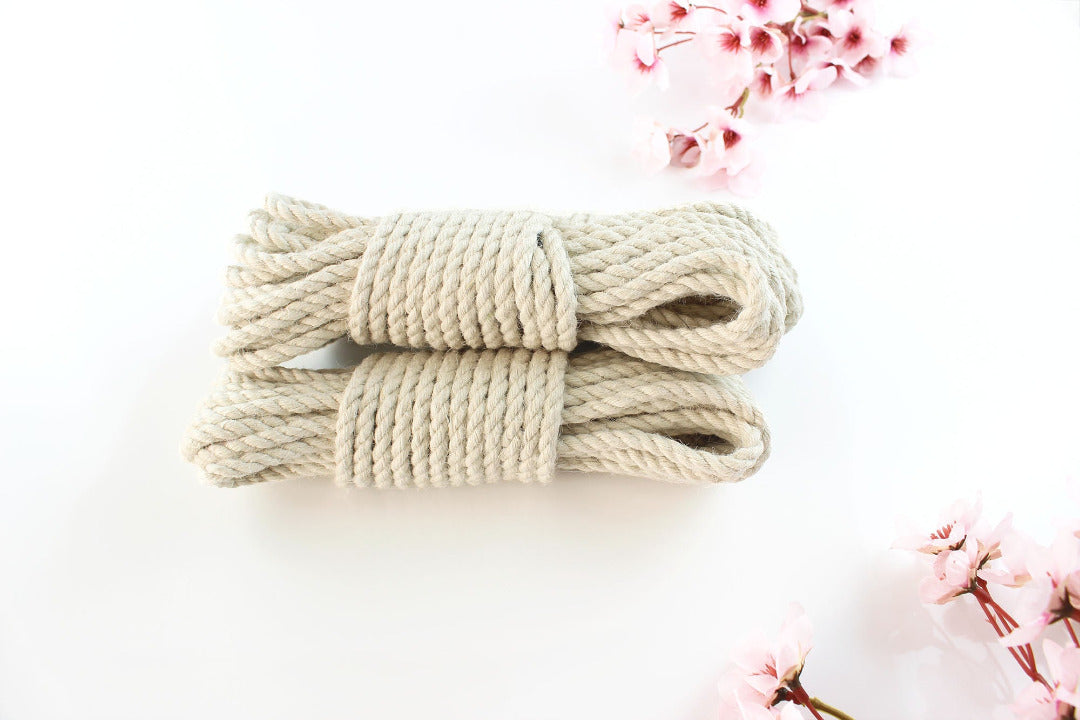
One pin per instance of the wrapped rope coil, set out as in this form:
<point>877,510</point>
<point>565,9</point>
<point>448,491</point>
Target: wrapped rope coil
<point>702,287</point>
<point>418,419</point>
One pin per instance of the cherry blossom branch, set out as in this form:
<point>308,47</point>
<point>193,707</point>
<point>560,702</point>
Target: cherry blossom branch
<point>773,54</point>
<point>970,554</point>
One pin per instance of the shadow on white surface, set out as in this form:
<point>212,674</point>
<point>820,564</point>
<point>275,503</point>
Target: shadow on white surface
<point>940,661</point>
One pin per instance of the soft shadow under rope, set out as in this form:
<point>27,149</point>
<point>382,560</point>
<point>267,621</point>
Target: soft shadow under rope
<point>453,418</point>
<point>701,287</point>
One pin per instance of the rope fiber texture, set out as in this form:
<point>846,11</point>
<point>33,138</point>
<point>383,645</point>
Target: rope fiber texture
<point>701,287</point>
<point>419,419</point>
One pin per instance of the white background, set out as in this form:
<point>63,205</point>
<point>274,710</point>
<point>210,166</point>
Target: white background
<point>933,222</point>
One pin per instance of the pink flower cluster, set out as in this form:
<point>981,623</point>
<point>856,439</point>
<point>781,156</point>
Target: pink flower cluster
<point>970,557</point>
<point>765,682</point>
<point>773,55</point>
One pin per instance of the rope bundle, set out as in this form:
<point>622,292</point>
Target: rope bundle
<point>701,287</point>
<point>417,419</point>
<point>496,383</point>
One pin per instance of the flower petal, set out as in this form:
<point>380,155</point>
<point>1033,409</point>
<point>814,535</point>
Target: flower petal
<point>1023,635</point>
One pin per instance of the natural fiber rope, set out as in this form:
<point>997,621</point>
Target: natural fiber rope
<point>450,418</point>
<point>702,287</point>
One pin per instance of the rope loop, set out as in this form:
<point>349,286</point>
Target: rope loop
<point>470,279</point>
<point>449,418</point>
<point>444,418</point>
<point>701,287</point>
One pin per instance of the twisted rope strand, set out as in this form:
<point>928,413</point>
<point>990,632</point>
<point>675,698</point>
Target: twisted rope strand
<point>404,419</point>
<point>702,287</point>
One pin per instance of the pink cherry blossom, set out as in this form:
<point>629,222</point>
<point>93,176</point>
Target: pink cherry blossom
<point>868,66</point>
<point>685,150</point>
<point>738,38</point>
<point>763,11</point>
<point>727,157</point>
<point>765,90</point>
<point>952,574</point>
<point>766,44</point>
<point>1058,702</point>
<point>765,82</point>
<point>765,682</point>
<point>769,668</point>
<point>952,528</point>
<point>968,556</point>
<point>898,58</point>
<point>964,548</point>
<point>636,53</point>
<point>728,49</point>
<point>612,27</point>
<point>1037,702</point>
<point>764,60</point>
<point>738,700</point>
<point>673,13</point>
<point>1053,594</point>
<point>846,72</point>
<point>1064,666</point>
<point>955,572</point>
<point>1011,567</point>
<point>652,149</point>
<point>807,50</point>
<point>800,95</point>
<point>855,36</point>
<point>725,41</point>
<point>636,17</point>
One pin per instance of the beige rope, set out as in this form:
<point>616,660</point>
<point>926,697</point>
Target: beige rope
<point>449,418</point>
<point>702,287</point>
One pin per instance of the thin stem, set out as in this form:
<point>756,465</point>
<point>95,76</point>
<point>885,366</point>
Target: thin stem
<point>808,13</point>
<point>1009,625</point>
<point>736,108</point>
<point>1007,620</point>
<point>801,697</point>
<point>710,7</point>
<point>1072,633</point>
<point>827,708</point>
<point>673,44</point>
<point>1001,613</point>
<point>1000,621</point>
<point>1021,659</point>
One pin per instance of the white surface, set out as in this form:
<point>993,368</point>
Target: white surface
<point>933,222</point>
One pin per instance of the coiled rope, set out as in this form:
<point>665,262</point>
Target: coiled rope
<point>702,287</point>
<point>451,418</point>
